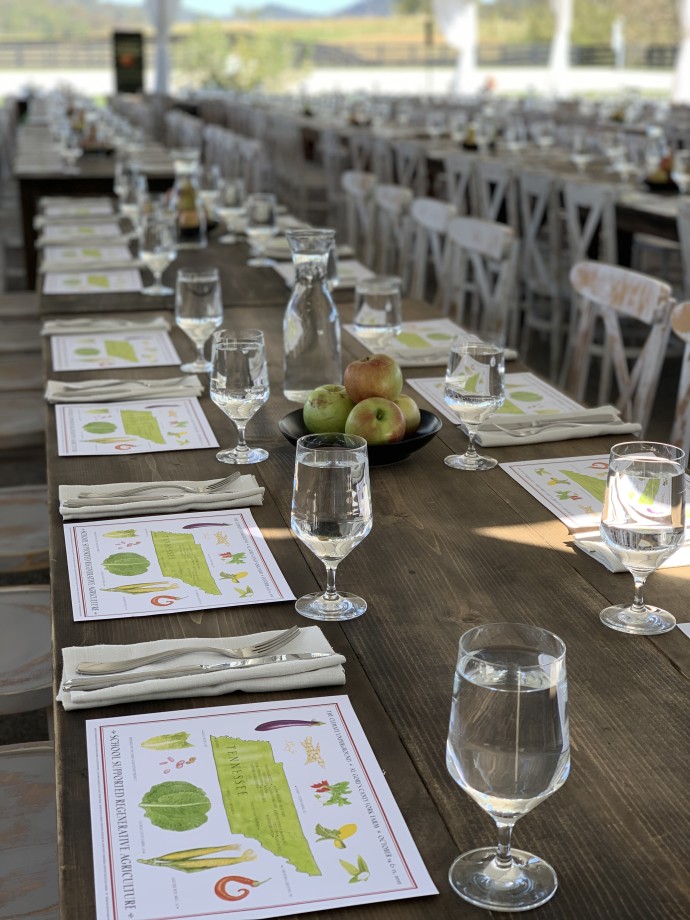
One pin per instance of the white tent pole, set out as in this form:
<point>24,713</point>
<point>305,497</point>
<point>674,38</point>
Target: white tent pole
<point>162,13</point>
<point>559,57</point>
<point>681,78</point>
<point>457,22</point>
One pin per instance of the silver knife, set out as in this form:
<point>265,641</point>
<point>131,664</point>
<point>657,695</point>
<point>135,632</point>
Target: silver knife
<point>112,680</point>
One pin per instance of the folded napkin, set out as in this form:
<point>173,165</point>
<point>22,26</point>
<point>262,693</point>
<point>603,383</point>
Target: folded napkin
<point>115,390</point>
<point>349,273</point>
<point>241,493</point>
<point>269,678</point>
<point>69,240</point>
<point>75,265</point>
<point>83,325</point>
<point>594,546</point>
<point>536,429</point>
<point>279,248</point>
<point>431,357</point>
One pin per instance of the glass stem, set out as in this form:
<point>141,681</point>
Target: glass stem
<point>331,592</point>
<point>200,356</point>
<point>638,605</point>
<point>242,447</point>
<point>471,450</point>
<point>157,278</point>
<point>504,859</point>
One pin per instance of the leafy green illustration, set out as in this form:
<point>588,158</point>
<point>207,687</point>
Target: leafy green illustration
<point>100,281</point>
<point>439,336</point>
<point>100,427</point>
<point>356,872</point>
<point>120,534</point>
<point>412,340</point>
<point>86,351</point>
<point>142,425</point>
<point>176,806</point>
<point>169,742</point>
<point>525,396</point>
<point>595,487</point>
<point>126,564</point>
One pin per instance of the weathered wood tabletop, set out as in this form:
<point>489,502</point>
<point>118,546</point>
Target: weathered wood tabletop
<point>448,550</point>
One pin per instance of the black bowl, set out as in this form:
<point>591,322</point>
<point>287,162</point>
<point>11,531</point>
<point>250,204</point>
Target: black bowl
<point>293,427</point>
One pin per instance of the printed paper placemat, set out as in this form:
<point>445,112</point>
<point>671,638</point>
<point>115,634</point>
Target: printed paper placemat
<point>254,810</point>
<point>421,336</point>
<point>170,563</point>
<point>132,427</point>
<point>94,207</point>
<point>59,255</point>
<point>526,394</point>
<point>81,231</point>
<point>108,350</point>
<point>94,282</point>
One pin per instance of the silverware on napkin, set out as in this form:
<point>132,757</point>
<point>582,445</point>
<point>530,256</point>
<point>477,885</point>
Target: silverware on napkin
<point>110,680</point>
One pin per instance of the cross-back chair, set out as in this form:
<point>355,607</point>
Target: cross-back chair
<point>390,236</point>
<point>460,188</point>
<point>613,294</point>
<point>410,166</point>
<point>429,220</point>
<point>359,188</point>
<point>496,192</point>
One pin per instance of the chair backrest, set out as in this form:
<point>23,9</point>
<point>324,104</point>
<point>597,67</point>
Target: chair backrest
<point>429,219</point>
<point>540,219</point>
<point>680,433</point>
<point>496,192</point>
<point>480,274</point>
<point>382,160</point>
<point>335,159</point>
<point>410,166</point>
<point>390,235</point>
<point>460,183</point>
<point>683,223</point>
<point>610,293</point>
<point>359,206</point>
<point>590,213</point>
<point>360,143</point>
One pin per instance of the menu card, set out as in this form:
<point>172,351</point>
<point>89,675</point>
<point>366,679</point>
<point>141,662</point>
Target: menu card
<point>132,427</point>
<point>94,282</point>
<point>61,255</point>
<point>90,208</point>
<point>253,810</point>
<point>80,231</point>
<point>422,336</point>
<point>526,394</point>
<point>109,349</point>
<point>170,563</point>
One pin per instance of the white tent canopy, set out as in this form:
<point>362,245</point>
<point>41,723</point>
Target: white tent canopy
<point>457,20</point>
<point>559,58</point>
<point>681,79</point>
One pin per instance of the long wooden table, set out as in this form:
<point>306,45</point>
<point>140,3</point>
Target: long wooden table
<point>448,550</point>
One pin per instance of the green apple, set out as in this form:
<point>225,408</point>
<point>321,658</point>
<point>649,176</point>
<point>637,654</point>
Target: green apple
<point>410,410</point>
<point>327,408</point>
<point>377,420</point>
<point>375,375</point>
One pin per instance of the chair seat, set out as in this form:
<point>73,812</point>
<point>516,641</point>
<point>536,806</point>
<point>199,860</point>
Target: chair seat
<point>28,833</point>
<point>20,337</point>
<point>655,242</point>
<point>19,305</point>
<point>26,669</point>
<point>22,420</point>
<point>25,373</point>
<point>23,529</point>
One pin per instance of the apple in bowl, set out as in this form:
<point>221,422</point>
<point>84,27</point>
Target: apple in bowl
<point>327,408</point>
<point>374,375</point>
<point>377,420</point>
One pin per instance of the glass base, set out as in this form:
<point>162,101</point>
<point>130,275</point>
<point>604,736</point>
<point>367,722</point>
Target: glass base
<point>253,455</point>
<point>157,290</point>
<point>261,262</point>
<point>528,883</point>
<point>469,462</point>
<point>315,607</point>
<point>624,619</point>
<point>197,367</point>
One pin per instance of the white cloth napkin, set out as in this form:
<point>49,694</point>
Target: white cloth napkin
<point>349,273</point>
<point>115,390</point>
<point>241,493</point>
<point>270,678</point>
<point>84,325</point>
<point>94,240</point>
<point>594,546</point>
<point>588,423</point>
<point>74,265</point>
<point>431,357</point>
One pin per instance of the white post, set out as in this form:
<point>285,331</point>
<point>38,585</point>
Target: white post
<point>457,21</point>
<point>162,13</point>
<point>559,58</point>
<point>681,78</point>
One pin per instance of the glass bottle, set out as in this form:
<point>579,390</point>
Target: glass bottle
<point>311,326</point>
<point>190,214</point>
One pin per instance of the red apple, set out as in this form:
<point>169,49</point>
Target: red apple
<point>375,375</point>
<point>377,420</point>
<point>327,408</point>
<point>410,410</point>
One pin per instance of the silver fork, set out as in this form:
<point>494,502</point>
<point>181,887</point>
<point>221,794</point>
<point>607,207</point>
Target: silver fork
<point>194,490</point>
<point>249,651</point>
<point>528,430</point>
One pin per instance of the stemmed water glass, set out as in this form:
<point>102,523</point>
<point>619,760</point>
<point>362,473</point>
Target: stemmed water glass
<point>157,247</point>
<point>474,389</point>
<point>331,514</point>
<point>643,523</point>
<point>509,749</point>
<point>378,310</point>
<point>261,226</point>
<point>229,206</point>
<point>198,311</point>
<point>239,386</point>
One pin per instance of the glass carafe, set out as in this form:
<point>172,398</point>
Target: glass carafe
<point>311,326</point>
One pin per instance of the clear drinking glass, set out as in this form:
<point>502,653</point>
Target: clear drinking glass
<point>210,181</point>
<point>239,386</point>
<point>71,152</point>
<point>643,522</point>
<point>261,226</point>
<point>157,248</point>
<point>509,749</point>
<point>229,206</point>
<point>133,198</point>
<point>680,172</point>
<point>378,310</point>
<point>474,389</point>
<point>198,311</point>
<point>331,514</point>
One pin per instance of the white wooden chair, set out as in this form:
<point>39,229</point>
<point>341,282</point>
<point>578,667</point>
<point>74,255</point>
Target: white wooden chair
<point>480,275</point>
<point>335,159</point>
<point>496,192</point>
<point>611,294</point>
<point>19,305</point>
<point>411,166</point>
<point>383,160</point>
<point>23,529</point>
<point>683,224</point>
<point>429,220</point>
<point>26,668</point>
<point>360,143</point>
<point>392,205</point>
<point>541,248</point>
<point>460,187</point>
<point>359,208</point>
<point>28,833</point>
<point>680,433</point>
